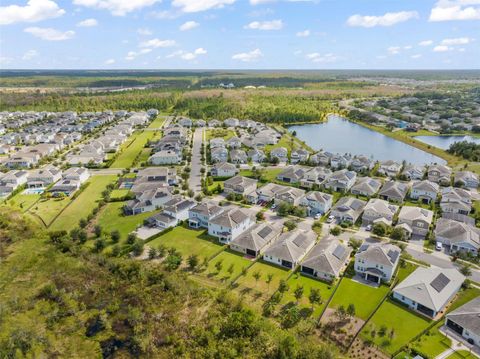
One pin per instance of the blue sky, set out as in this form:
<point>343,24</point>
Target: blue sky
<point>240,34</point>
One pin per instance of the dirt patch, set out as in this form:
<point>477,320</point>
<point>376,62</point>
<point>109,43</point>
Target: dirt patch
<point>339,330</point>
<point>361,350</point>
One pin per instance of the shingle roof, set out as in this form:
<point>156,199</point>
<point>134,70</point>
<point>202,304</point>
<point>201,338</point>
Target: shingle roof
<point>468,316</point>
<point>328,260</point>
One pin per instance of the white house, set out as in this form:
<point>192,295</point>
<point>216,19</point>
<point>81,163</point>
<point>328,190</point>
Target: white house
<point>464,321</point>
<point>425,191</point>
<point>378,209</point>
<point>230,224</point>
<point>202,213</point>
<point>165,157</point>
<point>317,202</point>
<point>377,262</point>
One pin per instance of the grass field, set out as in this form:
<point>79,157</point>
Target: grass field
<point>49,208</point>
<point>23,201</point>
<point>392,316</point>
<point>111,218</point>
<point>307,283</point>
<point>119,193</point>
<point>405,270</point>
<point>433,342</point>
<point>188,241</point>
<point>365,297</point>
<point>232,264</point>
<point>219,132</point>
<point>157,123</point>
<point>461,354</point>
<point>130,149</point>
<point>83,205</point>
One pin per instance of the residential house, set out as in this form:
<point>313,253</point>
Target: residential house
<point>44,177</point>
<point>230,224</point>
<point>379,210</point>
<point>413,172</point>
<point>440,174</point>
<point>466,179</point>
<point>394,191</point>
<point>425,191</point>
<point>238,156</point>
<point>224,169</point>
<point>321,158</point>
<point>156,176</point>
<point>255,240</point>
<point>361,164</point>
<point>458,236</point>
<point>219,154</point>
<point>11,180</point>
<point>240,185</point>
<point>165,157</point>
<point>429,290</point>
<point>315,176</point>
<point>348,209</point>
<point>292,174</point>
<point>289,195</point>
<point>200,215</point>
<point>456,201</point>
<point>341,180</point>
<point>338,161</point>
<point>299,155</point>
<point>290,248</point>
<point>281,153</point>
<point>174,211</point>
<point>389,168</point>
<point>234,142</point>
<point>148,200</point>
<point>326,263</point>
<point>317,202</point>
<point>256,155</point>
<point>217,142</point>
<point>376,262</point>
<point>465,322</point>
<point>416,221</point>
<point>366,186</point>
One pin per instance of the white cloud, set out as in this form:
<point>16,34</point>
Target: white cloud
<point>35,10</point>
<point>388,19</point>
<point>407,47</point>
<point>189,25</point>
<point>456,41</point>
<point>5,60</point>
<point>131,55</point>
<point>318,58</point>
<point>448,10</point>
<point>30,54</point>
<point>304,33</point>
<point>394,50</point>
<point>144,32</point>
<point>441,48</point>
<point>259,2</point>
<point>189,56</point>
<point>155,43</point>
<point>416,56</point>
<point>251,56</point>
<point>116,7</point>
<point>200,5</point>
<point>265,25</point>
<point>49,34</point>
<point>425,43</point>
<point>109,62</point>
<point>88,23</point>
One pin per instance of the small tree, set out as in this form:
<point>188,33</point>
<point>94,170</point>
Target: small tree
<point>314,297</point>
<point>398,234</point>
<point>298,293</point>
<point>282,286</point>
<point>336,231</point>
<point>291,225</point>
<point>98,230</point>
<point>351,310</point>
<point>152,253</point>
<point>132,237</point>
<point>466,270</point>
<point>137,247</point>
<point>269,280</point>
<point>219,265</point>
<point>99,245</point>
<point>257,276</point>
<point>230,269</point>
<point>82,223</point>
<point>340,312</point>
<point>379,229</point>
<point>115,236</point>
<point>192,262</point>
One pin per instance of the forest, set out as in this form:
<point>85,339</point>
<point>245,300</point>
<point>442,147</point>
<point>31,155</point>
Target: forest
<point>468,150</point>
<point>59,299</point>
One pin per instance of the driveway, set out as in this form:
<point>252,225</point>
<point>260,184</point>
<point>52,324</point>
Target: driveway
<point>195,181</point>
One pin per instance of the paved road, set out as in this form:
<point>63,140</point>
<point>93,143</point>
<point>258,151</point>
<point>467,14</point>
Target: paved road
<point>195,181</point>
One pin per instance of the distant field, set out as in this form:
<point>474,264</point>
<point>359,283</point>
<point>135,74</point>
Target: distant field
<point>23,201</point>
<point>83,205</point>
<point>130,149</point>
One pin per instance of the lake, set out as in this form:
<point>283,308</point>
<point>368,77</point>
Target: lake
<point>339,135</point>
<point>444,142</point>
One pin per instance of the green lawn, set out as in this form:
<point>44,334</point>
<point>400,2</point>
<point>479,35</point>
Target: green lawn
<point>307,283</point>
<point>83,205</point>
<point>405,323</point>
<point>365,297</point>
<point>270,175</point>
<point>232,264</point>
<point>157,123</point>
<point>23,201</point>
<point>130,149</point>
<point>219,132</point>
<point>261,289</point>
<point>189,241</point>
<point>119,193</point>
<point>405,270</point>
<point>461,354</point>
<point>47,209</point>
<point>111,218</point>
<point>433,342</point>
<point>285,141</point>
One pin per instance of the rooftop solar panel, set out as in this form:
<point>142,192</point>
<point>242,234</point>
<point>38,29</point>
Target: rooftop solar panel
<point>440,282</point>
<point>393,255</point>
<point>265,231</point>
<point>339,252</point>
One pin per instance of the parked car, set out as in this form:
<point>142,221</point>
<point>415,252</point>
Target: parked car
<point>317,216</point>
<point>438,246</point>
<point>368,228</point>
<point>273,206</point>
<point>330,219</point>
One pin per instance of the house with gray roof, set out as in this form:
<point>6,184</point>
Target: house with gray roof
<point>219,154</point>
<point>465,321</point>
<point>378,210</point>
<point>238,156</point>
<point>290,248</point>
<point>315,176</point>
<point>394,191</point>
<point>281,153</point>
<point>376,262</point>
<point>466,179</point>
<point>326,263</point>
<point>417,219</point>
<point>240,185</point>
<point>439,174</point>
<point>348,209</point>
<point>255,240</point>
<point>361,164</point>
<point>224,169</point>
<point>456,200</point>
<point>413,172</point>
<point>317,202</point>
<point>458,236</point>
<point>429,290</point>
<point>174,211</point>
<point>230,224</point>
<point>299,155</point>
<point>389,168</point>
<point>366,186</point>
<point>425,191</point>
<point>200,215</point>
<point>292,174</point>
<point>256,155</point>
<point>341,181</point>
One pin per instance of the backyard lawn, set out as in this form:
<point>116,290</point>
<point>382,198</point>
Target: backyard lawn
<point>189,241</point>
<point>461,354</point>
<point>365,297</point>
<point>433,342</point>
<point>405,270</point>
<point>219,132</point>
<point>83,205</point>
<point>157,123</point>
<point>232,264</point>
<point>119,193</point>
<point>307,283</point>
<point>392,316</point>
<point>130,149</point>
<point>111,218</point>
<point>47,209</point>
<point>23,201</point>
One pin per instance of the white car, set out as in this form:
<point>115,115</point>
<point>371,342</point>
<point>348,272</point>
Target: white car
<point>368,228</point>
<point>317,216</point>
<point>273,206</point>
<point>438,246</point>
<point>330,219</point>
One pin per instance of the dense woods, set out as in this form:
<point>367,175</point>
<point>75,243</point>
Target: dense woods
<point>468,150</point>
<point>60,300</point>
